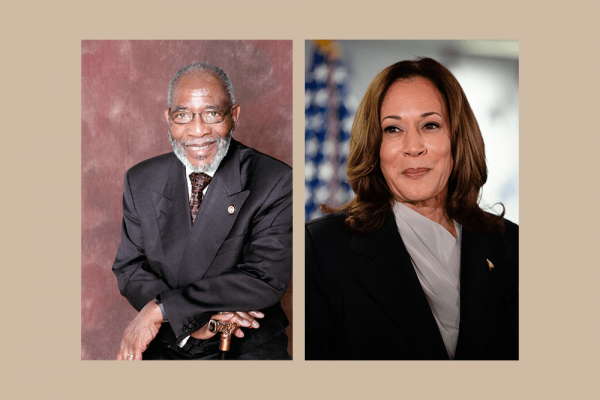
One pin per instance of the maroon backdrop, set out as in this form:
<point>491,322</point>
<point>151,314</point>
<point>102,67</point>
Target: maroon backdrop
<point>123,97</point>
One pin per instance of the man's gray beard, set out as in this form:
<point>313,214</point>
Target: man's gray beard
<point>222,147</point>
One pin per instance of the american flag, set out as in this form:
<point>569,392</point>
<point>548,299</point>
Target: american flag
<point>329,112</point>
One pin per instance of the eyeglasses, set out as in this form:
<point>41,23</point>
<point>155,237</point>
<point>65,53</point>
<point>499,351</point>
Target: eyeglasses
<point>208,116</point>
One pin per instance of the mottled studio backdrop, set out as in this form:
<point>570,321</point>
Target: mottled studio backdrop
<point>123,97</point>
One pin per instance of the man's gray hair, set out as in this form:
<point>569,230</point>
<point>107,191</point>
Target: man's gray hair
<point>202,66</point>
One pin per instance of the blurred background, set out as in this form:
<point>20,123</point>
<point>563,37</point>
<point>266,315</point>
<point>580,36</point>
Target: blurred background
<point>337,76</point>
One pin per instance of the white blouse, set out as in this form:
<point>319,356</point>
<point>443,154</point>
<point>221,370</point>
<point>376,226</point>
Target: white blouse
<point>435,255</point>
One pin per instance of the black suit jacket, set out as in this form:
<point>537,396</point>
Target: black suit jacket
<point>222,262</point>
<point>364,300</point>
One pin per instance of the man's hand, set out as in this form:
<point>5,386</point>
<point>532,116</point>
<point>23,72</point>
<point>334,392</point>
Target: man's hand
<point>140,332</point>
<point>243,319</point>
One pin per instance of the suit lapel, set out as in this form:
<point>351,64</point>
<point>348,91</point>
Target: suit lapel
<point>478,293</point>
<point>172,212</point>
<point>391,279</point>
<point>214,221</point>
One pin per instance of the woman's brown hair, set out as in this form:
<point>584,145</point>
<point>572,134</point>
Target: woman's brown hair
<point>366,213</point>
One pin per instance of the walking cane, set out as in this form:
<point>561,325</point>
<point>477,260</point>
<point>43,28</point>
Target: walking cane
<point>226,329</point>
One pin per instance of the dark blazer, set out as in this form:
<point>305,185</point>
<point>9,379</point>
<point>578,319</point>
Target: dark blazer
<point>222,262</point>
<point>364,300</point>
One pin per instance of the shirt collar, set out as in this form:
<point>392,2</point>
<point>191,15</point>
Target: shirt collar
<point>423,225</point>
<point>210,172</point>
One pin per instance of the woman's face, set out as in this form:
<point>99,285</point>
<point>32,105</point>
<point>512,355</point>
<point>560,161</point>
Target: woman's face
<point>415,154</point>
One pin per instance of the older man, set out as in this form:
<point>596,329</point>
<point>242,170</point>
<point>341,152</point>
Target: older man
<point>207,233</point>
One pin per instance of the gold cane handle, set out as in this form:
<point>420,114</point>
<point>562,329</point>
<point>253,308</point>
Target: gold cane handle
<point>226,329</point>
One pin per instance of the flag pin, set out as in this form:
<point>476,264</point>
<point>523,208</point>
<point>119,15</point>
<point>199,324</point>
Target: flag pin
<point>490,264</point>
<point>231,210</point>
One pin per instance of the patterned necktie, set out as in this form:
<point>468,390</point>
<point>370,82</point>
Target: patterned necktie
<point>199,182</point>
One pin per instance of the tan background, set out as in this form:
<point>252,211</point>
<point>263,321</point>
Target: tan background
<point>559,146</point>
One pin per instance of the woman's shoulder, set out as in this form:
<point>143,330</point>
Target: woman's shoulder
<point>511,230</point>
<point>507,242</point>
<point>328,231</point>
<point>330,224</point>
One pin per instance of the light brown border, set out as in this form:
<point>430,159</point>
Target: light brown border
<point>558,147</point>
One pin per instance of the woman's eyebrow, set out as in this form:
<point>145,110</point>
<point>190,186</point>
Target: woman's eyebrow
<point>430,113</point>
<point>392,117</point>
<point>422,115</point>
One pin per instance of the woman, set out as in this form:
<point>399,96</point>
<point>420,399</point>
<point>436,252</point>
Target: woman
<point>412,267</point>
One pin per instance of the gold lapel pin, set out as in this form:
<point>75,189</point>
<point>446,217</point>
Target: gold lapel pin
<point>231,209</point>
<point>490,264</point>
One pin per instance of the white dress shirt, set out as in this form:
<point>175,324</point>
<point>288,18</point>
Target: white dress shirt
<point>188,171</point>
